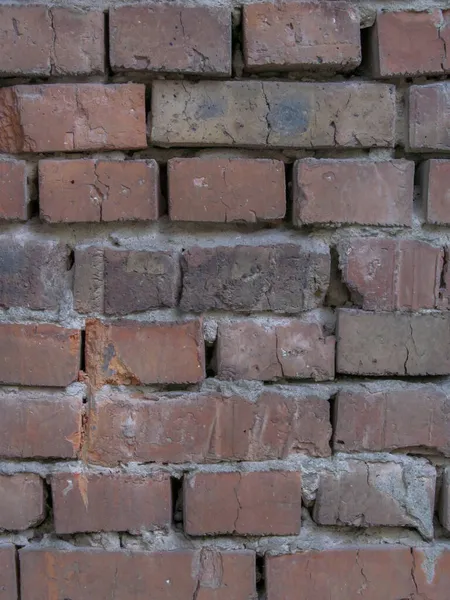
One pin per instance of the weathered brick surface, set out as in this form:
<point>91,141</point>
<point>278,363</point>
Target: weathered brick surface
<point>130,352</point>
<point>21,501</point>
<point>393,343</point>
<point>195,427</point>
<point>110,502</point>
<point>225,190</point>
<point>388,274</point>
<point>336,192</point>
<point>292,36</point>
<point>72,117</point>
<point>8,572</point>
<point>281,278</point>
<point>40,426</point>
<point>194,40</point>
<point>250,349</point>
<point>409,43</point>
<point>375,421</point>
<point>256,503</point>
<point>84,190</point>
<point>34,355</point>
<point>13,191</point>
<point>428,110</point>
<point>88,284</point>
<point>33,274</point>
<point>273,114</point>
<point>174,574</point>
<point>368,494</point>
<point>444,501</point>
<point>435,182</point>
<point>37,40</point>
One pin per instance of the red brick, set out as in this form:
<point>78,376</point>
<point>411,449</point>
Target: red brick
<point>377,494</point>
<point>429,110</point>
<point>45,425</point>
<point>110,502</point>
<point>431,573</point>
<point>21,501</point>
<point>225,190</point>
<point>36,40</point>
<point>375,421</point>
<point>379,573</point>
<point>278,114</point>
<point>410,43</point>
<point>131,352</point>
<point>338,192</point>
<point>281,278</point>
<point>39,355</point>
<point>13,191</point>
<point>8,574</point>
<point>293,35</point>
<point>250,349</point>
<point>393,343</point>
<point>444,501</point>
<point>194,40</point>
<point>33,273</point>
<point>72,117</point>
<point>252,503</point>
<point>84,190</point>
<point>194,427</point>
<point>388,274</point>
<point>435,182</point>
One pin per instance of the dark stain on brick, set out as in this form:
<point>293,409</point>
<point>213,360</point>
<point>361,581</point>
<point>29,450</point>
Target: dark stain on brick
<point>290,116</point>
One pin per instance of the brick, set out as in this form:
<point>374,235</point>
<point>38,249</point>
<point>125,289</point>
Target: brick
<point>84,190</point>
<point>46,425</point>
<point>193,427</point>
<point>339,192</point>
<point>194,40</point>
<point>292,36</point>
<point>224,190</point>
<point>249,503</point>
<point>429,110</point>
<point>33,274</point>
<point>88,284</point>
<point>273,114</point>
<point>410,43</point>
<point>129,576</point>
<point>375,421</point>
<point>83,503</point>
<point>298,349</point>
<point>72,117</point>
<point>36,40</point>
<point>369,573</point>
<point>281,278</point>
<point>444,501</point>
<point>432,583</point>
<point>8,572</point>
<point>392,343</point>
<point>377,494</point>
<point>435,182</point>
<point>131,352</point>
<point>389,274</point>
<point>39,355</point>
<point>21,501</point>
<point>13,191</point>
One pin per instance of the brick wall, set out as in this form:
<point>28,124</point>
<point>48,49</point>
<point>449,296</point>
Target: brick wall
<point>224,301</point>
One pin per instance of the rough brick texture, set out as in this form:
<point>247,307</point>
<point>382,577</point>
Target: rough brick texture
<point>292,36</point>
<point>352,191</point>
<point>270,113</point>
<point>282,278</point>
<point>72,117</point>
<point>429,117</point>
<point>8,572</point>
<point>444,505</point>
<point>72,191</point>
<point>13,191</point>
<point>21,501</point>
<point>44,354</point>
<point>193,40</point>
<point>410,43</point>
<point>255,503</point>
<point>130,352</point>
<point>225,190</point>
<point>435,181</point>
<point>90,502</point>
